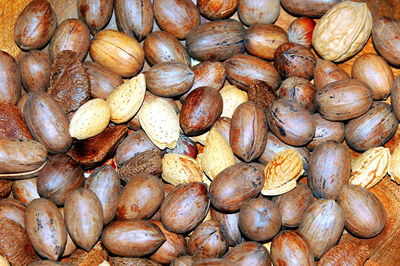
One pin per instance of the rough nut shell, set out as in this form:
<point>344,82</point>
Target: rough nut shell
<point>125,101</point>
<point>90,119</point>
<point>370,167</point>
<point>282,172</point>
<point>178,169</point>
<point>394,165</point>
<point>160,122</point>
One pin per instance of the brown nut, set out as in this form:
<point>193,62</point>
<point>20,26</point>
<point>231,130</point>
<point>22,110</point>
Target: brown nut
<point>298,90</point>
<point>96,14</point>
<point>326,72</point>
<point>217,9</point>
<point>13,210</point>
<point>260,92</point>
<point>383,30</point>
<point>35,70</point>
<point>72,34</point>
<point>262,12</point>
<point>35,25</point>
<point>326,130</point>
<point>301,31</point>
<point>229,225</point>
<point>249,253</point>
<point>25,190</point>
<point>308,8</point>
<point>12,123</point>
<point>10,84</point>
<point>147,162</point>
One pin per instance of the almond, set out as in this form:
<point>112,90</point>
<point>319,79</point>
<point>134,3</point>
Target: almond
<point>178,169</point>
<point>370,167</point>
<point>201,138</point>
<point>282,172</point>
<point>217,154</point>
<point>90,119</point>
<point>232,98</point>
<point>160,122</point>
<point>125,101</point>
<point>394,165</point>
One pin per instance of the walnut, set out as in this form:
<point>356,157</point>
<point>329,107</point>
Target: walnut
<point>148,162</point>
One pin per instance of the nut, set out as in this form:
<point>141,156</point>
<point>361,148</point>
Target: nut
<point>282,172</point>
<point>232,98</point>
<point>180,169</point>
<point>394,165</point>
<point>342,31</point>
<point>370,167</point>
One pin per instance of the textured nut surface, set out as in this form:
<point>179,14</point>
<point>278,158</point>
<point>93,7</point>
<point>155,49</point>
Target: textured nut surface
<point>178,169</point>
<point>232,98</point>
<point>148,162</point>
<point>394,165</point>
<point>126,100</point>
<point>342,31</point>
<point>370,167</point>
<point>282,172</point>
<point>160,122</point>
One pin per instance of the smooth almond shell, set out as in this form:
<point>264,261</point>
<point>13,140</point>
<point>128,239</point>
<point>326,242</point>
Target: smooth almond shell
<point>126,100</point>
<point>90,119</point>
<point>180,169</point>
<point>232,98</point>
<point>160,122</point>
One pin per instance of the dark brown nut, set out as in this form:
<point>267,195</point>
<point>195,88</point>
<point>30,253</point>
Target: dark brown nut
<point>21,155</point>
<point>233,186</point>
<point>16,247</point>
<point>134,17</point>
<point>184,261</point>
<point>308,8</point>
<point>241,70</point>
<point>263,12</point>
<point>326,130</point>
<point>5,187</point>
<point>249,253</point>
<point>217,9</point>
<point>84,217</point>
<point>372,129</point>
<point>207,241</point>
<point>275,145</point>
<point>210,74</point>
<point>35,70</point>
<point>229,225</point>
<point>348,253</point>
<point>184,208</point>
<point>177,17</point>
<point>395,97</point>
<point>383,30</point>
<point>298,90</point>
<point>322,225</point>
<point>70,246</point>
<point>168,188</point>
<point>12,210</point>
<point>47,122</point>
<point>97,255</point>
<point>184,146</point>
<point>343,100</point>
<point>291,123</point>
<point>69,81</point>
<point>134,144</point>
<point>161,46</point>
<point>248,131</point>
<point>263,39</point>
<point>35,25</point>
<point>169,79</point>
<point>290,247</point>
<point>96,14</point>
<point>10,83</point>
<point>104,182</point>
<point>95,150</point>
<point>46,228</point>
<point>374,71</point>
<point>200,110</point>
<point>294,60</point>
<point>260,92</point>
<point>12,124</point>
<point>259,219</point>
<point>103,81</point>
<point>301,31</point>
<point>293,204</point>
<point>147,162</point>
<point>25,190</point>
<point>125,261</point>
<point>140,198</point>
<point>59,178</point>
<point>365,213</point>
<point>330,168</point>
<point>216,41</point>
<point>145,238</point>
<point>326,72</point>
<point>173,247</point>
<point>72,34</point>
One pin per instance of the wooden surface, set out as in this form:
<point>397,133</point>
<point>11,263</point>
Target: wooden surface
<point>383,249</point>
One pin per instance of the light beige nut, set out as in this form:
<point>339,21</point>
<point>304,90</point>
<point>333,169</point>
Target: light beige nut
<point>217,154</point>
<point>370,167</point>
<point>394,166</point>
<point>125,101</point>
<point>160,122</point>
<point>90,119</point>
<point>232,98</point>
<point>201,138</point>
<point>343,31</point>
<point>3,261</point>
<point>282,172</point>
<point>178,169</point>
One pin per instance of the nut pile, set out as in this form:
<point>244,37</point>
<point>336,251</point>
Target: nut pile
<point>211,141</point>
